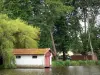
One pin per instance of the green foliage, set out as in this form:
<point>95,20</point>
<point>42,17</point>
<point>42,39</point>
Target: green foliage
<point>53,9</point>
<point>8,59</point>
<point>18,8</point>
<point>59,6</point>
<point>81,62</point>
<point>1,5</point>
<point>67,63</point>
<point>15,34</point>
<point>90,62</point>
<point>75,63</point>
<point>65,32</point>
<point>47,15</point>
<point>58,63</point>
<point>19,32</point>
<point>37,12</point>
<point>98,62</point>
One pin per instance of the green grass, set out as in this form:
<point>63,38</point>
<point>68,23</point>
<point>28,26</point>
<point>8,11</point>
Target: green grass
<point>58,63</point>
<point>98,63</point>
<point>74,63</point>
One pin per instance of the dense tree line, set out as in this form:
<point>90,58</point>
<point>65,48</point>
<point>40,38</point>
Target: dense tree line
<point>60,22</point>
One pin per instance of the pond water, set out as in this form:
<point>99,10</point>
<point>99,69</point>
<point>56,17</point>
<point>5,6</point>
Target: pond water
<point>71,70</point>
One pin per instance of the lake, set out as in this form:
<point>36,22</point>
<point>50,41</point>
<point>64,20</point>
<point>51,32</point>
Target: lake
<point>71,70</point>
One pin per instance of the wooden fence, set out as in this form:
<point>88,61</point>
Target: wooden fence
<point>84,57</point>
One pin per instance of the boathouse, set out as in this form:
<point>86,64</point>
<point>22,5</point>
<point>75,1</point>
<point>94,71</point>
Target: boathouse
<point>33,57</point>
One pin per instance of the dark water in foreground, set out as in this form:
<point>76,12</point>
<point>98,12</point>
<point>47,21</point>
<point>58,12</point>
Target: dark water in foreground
<point>71,70</point>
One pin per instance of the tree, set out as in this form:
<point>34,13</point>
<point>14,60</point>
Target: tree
<point>87,12</point>
<point>1,5</point>
<point>66,34</point>
<point>37,12</point>
<point>15,34</point>
<point>53,9</point>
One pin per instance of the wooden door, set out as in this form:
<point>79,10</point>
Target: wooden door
<point>47,61</point>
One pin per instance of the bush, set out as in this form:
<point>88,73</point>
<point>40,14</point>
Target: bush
<point>81,62</point>
<point>91,62</point>
<point>98,62</point>
<point>74,63</point>
<point>67,63</point>
<point>58,63</point>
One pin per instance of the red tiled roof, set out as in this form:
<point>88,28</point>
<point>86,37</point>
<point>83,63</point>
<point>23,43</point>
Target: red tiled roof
<point>31,51</point>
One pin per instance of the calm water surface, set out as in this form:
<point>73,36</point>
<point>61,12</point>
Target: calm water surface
<point>71,70</point>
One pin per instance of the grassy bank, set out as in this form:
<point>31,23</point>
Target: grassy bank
<point>74,63</point>
<point>7,67</point>
<point>1,66</point>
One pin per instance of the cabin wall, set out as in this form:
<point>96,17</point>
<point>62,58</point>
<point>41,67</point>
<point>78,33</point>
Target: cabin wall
<point>28,60</point>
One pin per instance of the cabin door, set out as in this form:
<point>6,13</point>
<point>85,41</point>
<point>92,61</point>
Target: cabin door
<point>47,61</point>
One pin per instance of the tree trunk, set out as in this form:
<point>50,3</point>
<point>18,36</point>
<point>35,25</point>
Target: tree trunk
<point>85,25</point>
<point>85,20</point>
<point>90,43</point>
<point>64,57</point>
<point>53,44</point>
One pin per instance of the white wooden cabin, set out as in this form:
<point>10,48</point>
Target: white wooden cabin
<point>33,57</point>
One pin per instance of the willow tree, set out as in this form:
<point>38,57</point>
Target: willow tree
<point>15,34</point>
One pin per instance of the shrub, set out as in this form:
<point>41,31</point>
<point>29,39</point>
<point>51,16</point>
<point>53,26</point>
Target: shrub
<point>98,62</point>
<point>74,63</point>
<point>81,62</point>
<point>67,63</point>
<point>58,63</point>
<point>91,62</point>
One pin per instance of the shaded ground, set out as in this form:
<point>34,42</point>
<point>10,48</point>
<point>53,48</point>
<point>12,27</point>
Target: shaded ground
<point>1,60</point>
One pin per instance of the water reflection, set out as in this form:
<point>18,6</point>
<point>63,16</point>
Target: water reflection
<point>71,70</point>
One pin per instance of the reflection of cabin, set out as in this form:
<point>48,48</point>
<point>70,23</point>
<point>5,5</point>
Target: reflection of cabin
<point>33,57</point>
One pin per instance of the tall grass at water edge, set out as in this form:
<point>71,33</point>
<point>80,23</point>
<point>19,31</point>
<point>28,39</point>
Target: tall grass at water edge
<point>75,63</point>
